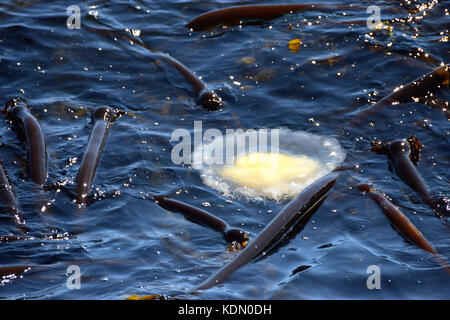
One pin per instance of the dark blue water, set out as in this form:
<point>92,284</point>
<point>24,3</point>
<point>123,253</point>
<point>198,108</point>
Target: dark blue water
<point>125,244</point>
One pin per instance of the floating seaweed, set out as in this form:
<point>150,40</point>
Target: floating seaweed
<point>235,15</point>
<point>8,198</point>
<point>307,201</point>
<point>204,218</point>
<point>404,158</point>
<point>29,130</point>
<point>103,118</point>
<point>204,97</point>
<point>416,88</point>
<point>243,172</point>
<point>147,297</point>
<point>437,103</point>
<point>401,222</point>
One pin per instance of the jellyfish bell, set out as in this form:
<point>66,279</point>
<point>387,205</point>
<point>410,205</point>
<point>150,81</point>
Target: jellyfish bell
<point>259,170</point>
<point>273,171</point>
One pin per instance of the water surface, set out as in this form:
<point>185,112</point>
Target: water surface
<point>123,243</point>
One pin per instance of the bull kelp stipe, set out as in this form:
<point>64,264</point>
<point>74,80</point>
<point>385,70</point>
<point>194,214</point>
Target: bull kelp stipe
<point>204,218</point>
<point>306,201</point>
<point>8,199</point>
<point>401,156</point>
<point>103,118</point>
<point>429,82</point>
<point>28,129</point>
<point>236,14</point>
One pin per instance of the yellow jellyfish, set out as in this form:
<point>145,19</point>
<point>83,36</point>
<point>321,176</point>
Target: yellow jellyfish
<point>265,171</point>
<point>260,170</point>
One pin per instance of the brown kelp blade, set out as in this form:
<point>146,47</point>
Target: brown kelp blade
<point>431,81</point>
<point>401,223</point>
<point>277,227</point>
<point>13,271</point>
<point>208,99</point>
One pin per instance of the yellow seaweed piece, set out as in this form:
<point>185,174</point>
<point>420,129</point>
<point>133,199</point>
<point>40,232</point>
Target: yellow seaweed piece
<point>264,75</point>
<point>148,297</point>
<point>294,45</point>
